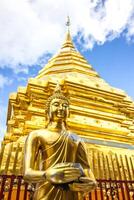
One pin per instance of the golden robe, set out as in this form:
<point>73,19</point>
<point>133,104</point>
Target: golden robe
<point>46,149</point>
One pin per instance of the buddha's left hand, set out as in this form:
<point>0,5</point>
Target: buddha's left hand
<point>85,185</point>
<point>63,173</point>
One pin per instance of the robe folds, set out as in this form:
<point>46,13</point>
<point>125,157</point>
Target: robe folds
<point>45,150</point>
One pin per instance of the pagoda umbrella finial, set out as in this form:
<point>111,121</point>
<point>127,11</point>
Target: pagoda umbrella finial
<point>68,40</point>
<point>68,23</point>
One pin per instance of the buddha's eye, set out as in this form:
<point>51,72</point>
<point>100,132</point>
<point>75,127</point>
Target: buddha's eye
<point>65,105</point>
<point>56,104</point>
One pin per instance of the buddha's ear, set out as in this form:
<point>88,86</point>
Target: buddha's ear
<point>48,117</point>
<point>68,113</point>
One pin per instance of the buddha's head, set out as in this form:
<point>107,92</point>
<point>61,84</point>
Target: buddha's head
<point>57,106</point>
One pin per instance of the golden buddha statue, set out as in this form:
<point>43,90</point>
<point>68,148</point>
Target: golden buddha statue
<point>56,159</point>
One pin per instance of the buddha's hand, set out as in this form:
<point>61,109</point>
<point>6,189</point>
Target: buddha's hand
<point>84,185</point>
<point>63,173</point>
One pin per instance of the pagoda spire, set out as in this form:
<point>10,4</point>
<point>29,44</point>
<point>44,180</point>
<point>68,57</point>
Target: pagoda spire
<point>68,39</point>
<point>68,59</point>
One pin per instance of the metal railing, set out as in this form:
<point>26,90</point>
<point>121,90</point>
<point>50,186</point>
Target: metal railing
<point>113,190</point>
<point>15,188</point>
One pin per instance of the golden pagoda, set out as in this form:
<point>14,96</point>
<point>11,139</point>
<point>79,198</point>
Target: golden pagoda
<point>100,114</point>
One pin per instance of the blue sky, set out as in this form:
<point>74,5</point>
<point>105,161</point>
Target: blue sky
<point>114,61</point>
<point>103,31</point>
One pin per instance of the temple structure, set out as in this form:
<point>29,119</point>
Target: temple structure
<point>101,114</point>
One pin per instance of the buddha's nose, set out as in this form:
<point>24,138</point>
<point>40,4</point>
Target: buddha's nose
<point>60,107</point>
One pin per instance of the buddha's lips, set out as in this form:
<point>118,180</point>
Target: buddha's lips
<point>60,113</point>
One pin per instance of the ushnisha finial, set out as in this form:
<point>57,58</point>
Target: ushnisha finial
<point>57,89</point>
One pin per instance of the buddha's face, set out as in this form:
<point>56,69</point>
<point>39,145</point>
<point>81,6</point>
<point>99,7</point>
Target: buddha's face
<point>59,109</point>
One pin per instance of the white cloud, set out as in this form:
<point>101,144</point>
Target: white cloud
<point>4,81</point>
<point>3,110</point>
<point>31,28</point>
<point>130,33</point>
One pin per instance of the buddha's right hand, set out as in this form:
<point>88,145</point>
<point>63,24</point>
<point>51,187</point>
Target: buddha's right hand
<point>63,173</point>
